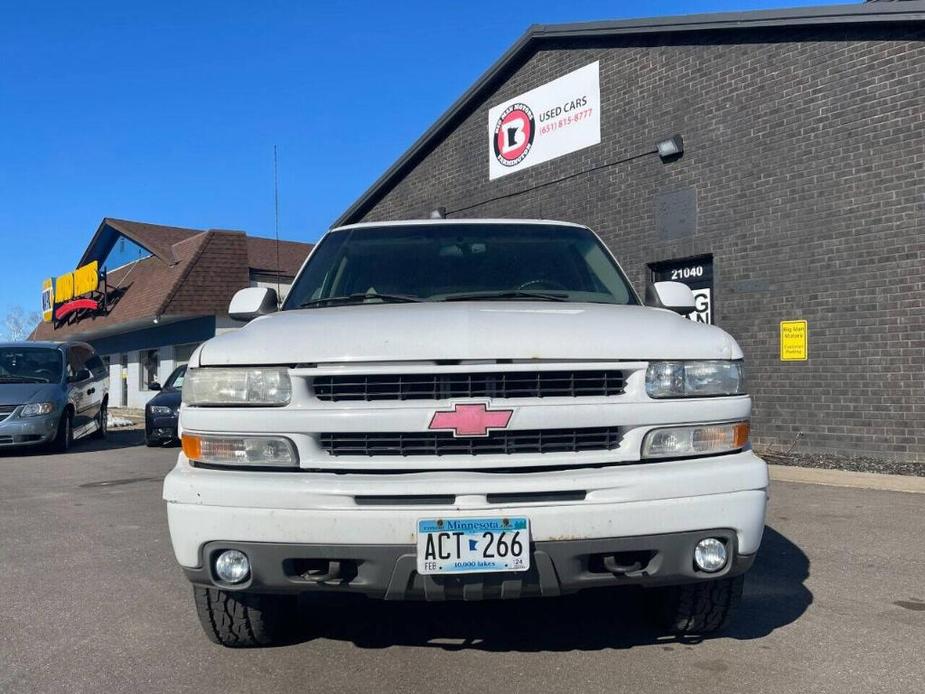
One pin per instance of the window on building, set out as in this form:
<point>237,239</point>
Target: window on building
<point>123,252</point>
<point>150,365</point>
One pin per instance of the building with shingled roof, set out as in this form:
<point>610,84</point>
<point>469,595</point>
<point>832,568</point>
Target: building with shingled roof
<point>160,292</point>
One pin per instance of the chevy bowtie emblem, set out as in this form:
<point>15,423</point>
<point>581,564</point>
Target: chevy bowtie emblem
<point>471,420</point>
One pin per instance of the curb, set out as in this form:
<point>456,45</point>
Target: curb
<point>844,478</point>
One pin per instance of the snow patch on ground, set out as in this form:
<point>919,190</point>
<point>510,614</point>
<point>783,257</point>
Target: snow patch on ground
<point>117,422</point>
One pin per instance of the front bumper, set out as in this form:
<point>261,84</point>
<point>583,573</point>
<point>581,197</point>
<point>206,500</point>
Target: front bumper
<point>390,571</point>
<point>161,428</point>
<point>370,520</point>
<point>29,431</point>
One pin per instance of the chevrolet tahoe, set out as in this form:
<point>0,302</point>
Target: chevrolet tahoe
<point>464,409</point>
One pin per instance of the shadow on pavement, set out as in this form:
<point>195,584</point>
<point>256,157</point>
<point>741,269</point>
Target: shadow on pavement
<point>115,438</point>
<point>775,595</point>
<point>775,590</point>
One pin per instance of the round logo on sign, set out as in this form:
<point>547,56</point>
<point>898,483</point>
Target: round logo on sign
<point>514,134</point>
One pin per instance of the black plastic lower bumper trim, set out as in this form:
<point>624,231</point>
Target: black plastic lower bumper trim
<point>390,571</point>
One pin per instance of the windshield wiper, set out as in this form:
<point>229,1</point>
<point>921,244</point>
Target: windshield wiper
<point>511,294</point>
<point>360,298</point>
<point>22,379</point>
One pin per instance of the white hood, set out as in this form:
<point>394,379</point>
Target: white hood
<point>468,330</point>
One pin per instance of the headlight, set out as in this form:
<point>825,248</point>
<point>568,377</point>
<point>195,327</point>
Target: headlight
<point>258,451</point>
<point>221,386</point>
<point>694,379</point>
<point>35,409</point>
<point>161,411</point>
<point>707,439</point>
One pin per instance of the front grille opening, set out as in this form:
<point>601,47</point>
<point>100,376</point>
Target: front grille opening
<point>533,497</point>
<point>406,500</point>
<point>441,443</point>
<point>444,386</point>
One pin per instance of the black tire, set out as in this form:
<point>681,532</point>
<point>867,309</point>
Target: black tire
<point>65,436</point>
<point>244,620</point>
<point>697,608</point>
<point>102,422</point>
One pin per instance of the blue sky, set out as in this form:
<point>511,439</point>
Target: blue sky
<point>167,112</point>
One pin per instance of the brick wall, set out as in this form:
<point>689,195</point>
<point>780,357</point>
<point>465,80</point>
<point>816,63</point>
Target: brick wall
<point>806,148</point>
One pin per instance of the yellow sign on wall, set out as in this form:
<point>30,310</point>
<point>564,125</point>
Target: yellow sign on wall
<point>64,288</point>
<point>794,340</point>
<point>82,281</point>
<point>86,278</point>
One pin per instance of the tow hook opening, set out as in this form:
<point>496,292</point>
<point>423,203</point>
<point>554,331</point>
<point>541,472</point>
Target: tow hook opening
<point>620,563</point>
<point>322,570</point>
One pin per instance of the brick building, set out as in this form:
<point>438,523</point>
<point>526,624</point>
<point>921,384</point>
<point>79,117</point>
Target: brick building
<point>799,195</point>
<point>156,292</point>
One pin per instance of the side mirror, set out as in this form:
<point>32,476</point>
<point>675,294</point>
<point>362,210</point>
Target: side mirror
<point>675,296</point>
<point>251,302</point>
<point>154,385</point>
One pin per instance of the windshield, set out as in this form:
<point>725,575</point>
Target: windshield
<point>453,262</point>
<point>175,380</point>
<point>30,365</point>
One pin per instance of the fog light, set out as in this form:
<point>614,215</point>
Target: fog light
<point>710,555</point>
<point>232,566</point>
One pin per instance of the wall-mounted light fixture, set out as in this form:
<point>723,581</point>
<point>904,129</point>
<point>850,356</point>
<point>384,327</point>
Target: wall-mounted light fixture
<point>668,150</point>
<point>671,148</point>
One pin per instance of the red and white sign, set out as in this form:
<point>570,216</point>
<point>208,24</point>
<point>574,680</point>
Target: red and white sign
<point>556,118</point>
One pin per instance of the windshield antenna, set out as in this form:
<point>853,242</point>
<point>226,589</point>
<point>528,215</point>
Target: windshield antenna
<point>276,208</point>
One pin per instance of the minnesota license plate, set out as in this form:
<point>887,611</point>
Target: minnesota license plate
<point>473,545</point>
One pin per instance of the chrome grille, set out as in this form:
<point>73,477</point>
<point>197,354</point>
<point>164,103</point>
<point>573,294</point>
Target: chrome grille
<point>6,411</point>
<point>441,443</point>
<point>444,386</point>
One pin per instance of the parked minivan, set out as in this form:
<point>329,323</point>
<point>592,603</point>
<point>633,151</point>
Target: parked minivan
<point>51,393</point>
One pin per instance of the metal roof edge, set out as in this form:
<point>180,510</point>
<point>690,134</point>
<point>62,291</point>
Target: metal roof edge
<point>909,10</point>
<point>93,240</point>
<point>873,12</point>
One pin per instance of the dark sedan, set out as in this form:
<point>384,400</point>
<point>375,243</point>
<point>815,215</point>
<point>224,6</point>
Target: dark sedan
<point>163,410</point>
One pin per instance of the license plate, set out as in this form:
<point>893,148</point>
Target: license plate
<point>473,545</point>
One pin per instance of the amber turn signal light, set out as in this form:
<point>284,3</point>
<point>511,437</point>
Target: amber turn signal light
<point>192,446</point>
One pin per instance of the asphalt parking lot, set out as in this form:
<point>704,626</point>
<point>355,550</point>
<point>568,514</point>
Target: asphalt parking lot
<point>93,601</point>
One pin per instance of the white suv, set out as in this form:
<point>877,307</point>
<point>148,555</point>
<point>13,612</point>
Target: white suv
<point>467,410</point>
